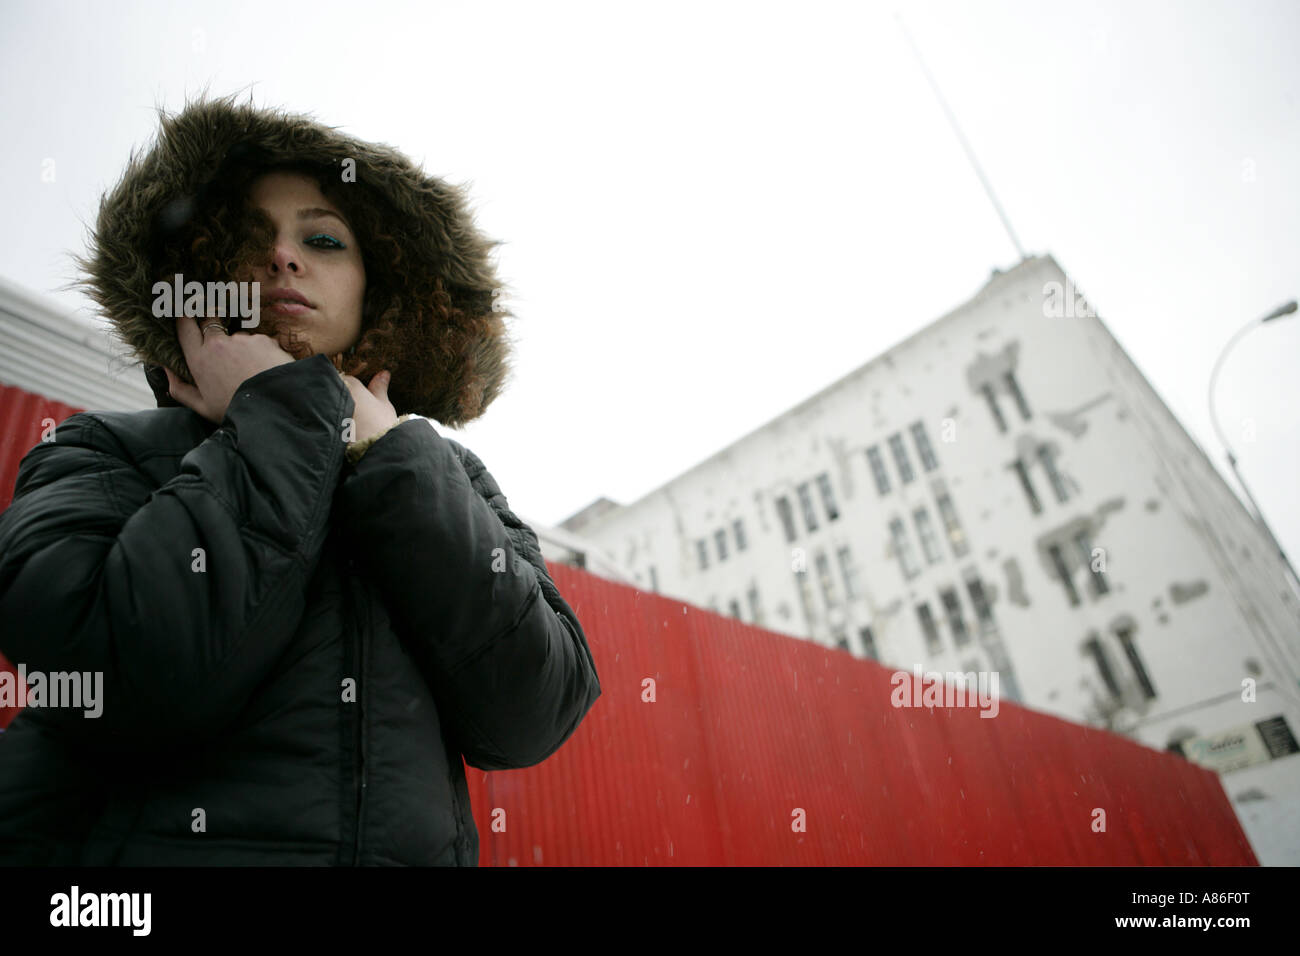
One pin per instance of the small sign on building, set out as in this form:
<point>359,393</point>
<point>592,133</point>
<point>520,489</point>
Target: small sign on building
<point>1241,747</point>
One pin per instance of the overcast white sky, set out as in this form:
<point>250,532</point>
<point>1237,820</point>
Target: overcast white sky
<point>712,210</point>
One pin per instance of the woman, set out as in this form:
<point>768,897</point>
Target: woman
<point>305,608</point>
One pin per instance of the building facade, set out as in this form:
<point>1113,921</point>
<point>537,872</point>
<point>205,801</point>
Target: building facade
<point>1005,492</point>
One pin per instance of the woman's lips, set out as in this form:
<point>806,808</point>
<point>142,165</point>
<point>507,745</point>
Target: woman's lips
<point>288,307</point>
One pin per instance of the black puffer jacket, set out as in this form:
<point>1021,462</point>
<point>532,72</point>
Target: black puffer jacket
<point>351,630</point>
<point>296,650</point>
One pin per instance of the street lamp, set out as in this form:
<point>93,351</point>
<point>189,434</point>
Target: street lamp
<point>1258,515</point>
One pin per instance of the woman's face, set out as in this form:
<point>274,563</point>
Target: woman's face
<point>315,254</point>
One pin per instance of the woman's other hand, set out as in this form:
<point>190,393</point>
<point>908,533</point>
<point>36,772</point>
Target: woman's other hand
<point>374,413</point>
<point>220,363</point>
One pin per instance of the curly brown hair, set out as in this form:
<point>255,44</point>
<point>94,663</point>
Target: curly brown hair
<point>409,324</point>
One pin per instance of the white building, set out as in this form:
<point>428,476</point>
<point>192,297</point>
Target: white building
<point>50,351</point>
<point>1004,491</point>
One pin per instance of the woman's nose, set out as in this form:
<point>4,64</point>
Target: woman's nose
<point>283,259</point>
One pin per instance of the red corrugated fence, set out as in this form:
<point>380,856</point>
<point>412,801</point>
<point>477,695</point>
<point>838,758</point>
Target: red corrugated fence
<point>749,727</point>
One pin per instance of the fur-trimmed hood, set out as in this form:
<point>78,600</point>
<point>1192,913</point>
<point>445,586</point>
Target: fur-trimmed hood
<point>437,232</point>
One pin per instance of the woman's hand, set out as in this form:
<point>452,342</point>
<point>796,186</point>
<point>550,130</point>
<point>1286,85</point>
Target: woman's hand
<point>220,363</point>
<point>374,412</point>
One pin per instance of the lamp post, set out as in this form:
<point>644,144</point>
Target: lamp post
<point>1279,312</point>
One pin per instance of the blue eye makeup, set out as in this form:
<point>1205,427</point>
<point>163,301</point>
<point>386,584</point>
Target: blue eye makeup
<point>332,243</point>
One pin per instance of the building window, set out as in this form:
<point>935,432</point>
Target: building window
<point>1093,647</point>
<point>755,611</point>
<point>868,643</point>
<point>787,517</point>
<point>1014,388</point>
<point>903,547</point>
<point>1062,572</point>
<point>952,607</point>
<point>806,598</point>
<point>980,599</point>
<point>878,469</point>
<point>738,527</point>
<point>1023,474</point>
<point>925,531</point>
<point>720,537</point>
<point>654,580</point>
<point>987,389</point>
<point>1125,635</point>
<point>900,457</point>
<point>1099,585</point>
<point>928,628</point>
<point>841,641</point>
<point>824,576</point>
<point>735,609</point>
<point>1054,476</point>
<point>828,496</point>
<point>805,503</point>
<point>850,572</point>
<point>702,549</point>
<point>956,537</point>
<point>923,448</point>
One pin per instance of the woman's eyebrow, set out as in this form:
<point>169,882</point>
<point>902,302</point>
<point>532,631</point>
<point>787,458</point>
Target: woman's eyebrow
<point>316,212</point>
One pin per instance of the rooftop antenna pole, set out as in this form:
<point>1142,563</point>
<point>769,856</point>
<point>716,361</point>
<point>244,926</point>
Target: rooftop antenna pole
<point>970,153</point>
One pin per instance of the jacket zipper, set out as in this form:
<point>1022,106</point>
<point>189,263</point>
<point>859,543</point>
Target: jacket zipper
<point>359,751</point>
